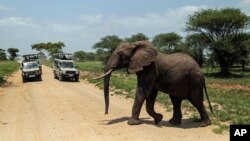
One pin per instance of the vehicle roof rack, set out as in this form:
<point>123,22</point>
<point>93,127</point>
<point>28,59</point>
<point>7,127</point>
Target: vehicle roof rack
<point>30,57</point>
<point>63,56</point>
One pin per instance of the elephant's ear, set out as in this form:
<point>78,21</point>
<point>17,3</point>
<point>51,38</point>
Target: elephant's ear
<point>144,55</point>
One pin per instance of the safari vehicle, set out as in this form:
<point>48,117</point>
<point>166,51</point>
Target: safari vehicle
<point>64,67</point>
<point>31,69</point>
<point>32,57</point>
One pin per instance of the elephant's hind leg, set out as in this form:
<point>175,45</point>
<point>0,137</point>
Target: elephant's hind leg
<point>177,115</point>
<point>150,102</point>
<point>198,103</point>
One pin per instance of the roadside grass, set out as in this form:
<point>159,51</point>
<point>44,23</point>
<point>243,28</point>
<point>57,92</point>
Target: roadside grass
<point>6,68</point>
<point>230,105</point>
<point>48,63</point>
<point>91,66</point>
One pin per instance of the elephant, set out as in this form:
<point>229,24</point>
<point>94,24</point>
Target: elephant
<point>176,74</point>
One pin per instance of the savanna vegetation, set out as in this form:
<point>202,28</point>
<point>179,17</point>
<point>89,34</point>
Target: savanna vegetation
<point>6,68</point>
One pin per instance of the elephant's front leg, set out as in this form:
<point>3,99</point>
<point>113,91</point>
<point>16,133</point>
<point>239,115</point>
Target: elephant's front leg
<point>139,99</point>
<point>150,102</point>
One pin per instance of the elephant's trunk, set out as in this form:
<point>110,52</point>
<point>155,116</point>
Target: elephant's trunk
<point>106,90</point>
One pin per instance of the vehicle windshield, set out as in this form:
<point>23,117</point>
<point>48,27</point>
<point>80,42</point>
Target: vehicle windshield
<point>30,65</point>
<point>67,65</point>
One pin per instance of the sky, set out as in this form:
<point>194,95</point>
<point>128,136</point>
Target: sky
<point>82,23</point>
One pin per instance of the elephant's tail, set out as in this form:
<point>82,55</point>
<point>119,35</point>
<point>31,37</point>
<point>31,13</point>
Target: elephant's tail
<point>210,106</point>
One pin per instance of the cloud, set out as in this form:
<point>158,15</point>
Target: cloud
<point>83,34</point>
<point>91,18</point>
<point>64,28</point>
<point>4,8</point>
<point>17,21</point>
<point>171,20</point>
<point>244,6</point>
<point>244,2</point>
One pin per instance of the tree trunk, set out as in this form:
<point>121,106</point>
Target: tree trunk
<point>243,65</point>
<point>224,67</point>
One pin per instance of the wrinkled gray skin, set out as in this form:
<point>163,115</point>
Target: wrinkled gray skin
<point>176,74</point>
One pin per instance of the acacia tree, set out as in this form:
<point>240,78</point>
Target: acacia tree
<point>243,42</point>
<point>137,37</point>
<point>2,54</point>
<point>197,43</point>
<point>221,27</point>
<point>106,46</point>
<point>51,48</point>
<point>13,53</point>
<point>167,42</point>
<point>79,55</point>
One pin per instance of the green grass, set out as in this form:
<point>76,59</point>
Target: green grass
<point>92,66</point>
<point>6,68</point>
<point>231,106</point>
<point>48,63</point>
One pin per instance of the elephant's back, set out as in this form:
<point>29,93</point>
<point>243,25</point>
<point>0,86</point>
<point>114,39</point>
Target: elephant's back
<point>177,62</point>
<point>176,72</point>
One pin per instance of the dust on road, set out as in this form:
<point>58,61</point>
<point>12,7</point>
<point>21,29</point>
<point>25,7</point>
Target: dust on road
<point>74,111</point>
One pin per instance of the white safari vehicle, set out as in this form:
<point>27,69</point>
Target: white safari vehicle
<point>31,69</point>
<point>64,67</point>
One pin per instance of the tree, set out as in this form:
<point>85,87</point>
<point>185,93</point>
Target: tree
<point>39,47</point>
<point>51,48</point>
<point>55,47</point>
<point>221,27</point>
<point>197,43</point>
<point>167,42</point>
<point>2,54</point>
<point>106,46</point>
<point>90,56</point>
<point>79,55</point>
<point>13,53</point>
<point>137,37</point>
<point>243,43</point>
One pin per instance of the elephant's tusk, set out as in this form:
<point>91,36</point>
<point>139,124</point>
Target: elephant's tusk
<point>103,75</point>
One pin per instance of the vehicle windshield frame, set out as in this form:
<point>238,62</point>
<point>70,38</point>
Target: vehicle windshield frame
<point>66,64</point>
<point>32,65</point>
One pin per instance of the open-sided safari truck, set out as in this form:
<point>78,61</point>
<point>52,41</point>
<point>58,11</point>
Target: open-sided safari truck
<point>64,67</point>
<point>31,67</point>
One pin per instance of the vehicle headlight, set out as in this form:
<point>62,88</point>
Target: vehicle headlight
<point>77,72</point>
<point>63,71</point>
<point>37,72</point>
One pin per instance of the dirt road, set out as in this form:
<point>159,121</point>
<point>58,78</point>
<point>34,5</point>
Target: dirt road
<point>74,111</point>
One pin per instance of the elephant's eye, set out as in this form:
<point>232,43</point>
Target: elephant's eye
<point>119,53</point>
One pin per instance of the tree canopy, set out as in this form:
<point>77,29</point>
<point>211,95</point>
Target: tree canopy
<point>167,42</point>
<point>222,28</point>
<point>197,43</point>
<point>137,37</point>
<point>2,54</point>
<point>106,46</point>
<point>13,53</point>
<point>79,55</point>
<point>51,48</point>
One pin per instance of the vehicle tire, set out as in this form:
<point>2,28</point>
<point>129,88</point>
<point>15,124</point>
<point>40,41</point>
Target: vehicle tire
<point>40,78</point>
<point>60,78</point>
<point>24,80</point>
<point>77,79</point>
<point>55,76</point>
